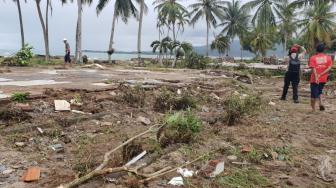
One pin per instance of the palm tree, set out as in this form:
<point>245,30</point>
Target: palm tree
<point>123,9</point>
<point>319,24</point>
<point>143,10</point>
<point>301,3</point>
<point>287,25</point>
<point>45,26</point>
<point>212,10</point>
<point>236,22</point>
<point>162,47</point>
<point>261,41</point>
<point>180,49</point>
<point>18,4</point>
<point>264,16</point>
<point>173,13</point>
<point>221,44</point>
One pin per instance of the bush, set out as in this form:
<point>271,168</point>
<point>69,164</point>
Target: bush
<point>195,61</point>
<point>19,97</point>
<point>135,97</point>
<point>168,100</point>
<point>181,127</point>
<point>237,107</point>
<point>24,55</point>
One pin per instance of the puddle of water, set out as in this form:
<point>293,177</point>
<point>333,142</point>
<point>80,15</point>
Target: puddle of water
<point>4,80</point>
<point>52,72</point>
<point>31,83</point>
<point>101,84</point>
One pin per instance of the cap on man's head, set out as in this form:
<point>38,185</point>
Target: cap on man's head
<point>64,39</point>
<point>294,49</point>
<point>320,48</point>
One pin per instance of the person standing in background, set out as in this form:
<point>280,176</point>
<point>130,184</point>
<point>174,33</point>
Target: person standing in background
<point>67,58</point>
<point>320,65</point>
<point>292,76</point>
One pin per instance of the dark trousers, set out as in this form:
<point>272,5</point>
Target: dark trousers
<point>294,79</point>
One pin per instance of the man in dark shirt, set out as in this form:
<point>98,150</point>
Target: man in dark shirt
<point>293,73</point>
<point>67,58</point>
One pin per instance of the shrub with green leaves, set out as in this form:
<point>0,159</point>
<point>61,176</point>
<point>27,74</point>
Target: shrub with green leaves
<point>19,97</point>
<point>168,100</point>
<point>195,61</point>
<point>24,55</point>
<point>181,127</point>
<point>237,107</point>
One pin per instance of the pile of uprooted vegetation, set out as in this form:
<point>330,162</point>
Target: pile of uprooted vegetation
<point>179,119</point>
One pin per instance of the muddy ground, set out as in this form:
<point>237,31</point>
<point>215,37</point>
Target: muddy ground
<point>287,142</point>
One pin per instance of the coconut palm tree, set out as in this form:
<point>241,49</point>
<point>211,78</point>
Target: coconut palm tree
<point>123,9</point>
<point>261,41</point>
<point>45,25</point>
<point>221,44</point>
<point>318,24</point>
<point>301,3</point>
<point>18,4</point>
<point>287,22</point>
<point>236,22</point>
<point>162,47</point>
<point>143,10</point>
<point>211,10</point>
<point>173,13</point>
<point>181,49</point>
<point>264,16</point>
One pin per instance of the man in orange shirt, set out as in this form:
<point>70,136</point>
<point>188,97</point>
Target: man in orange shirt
<point>320,65</point>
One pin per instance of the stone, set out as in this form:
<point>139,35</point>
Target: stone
<point>247,149</point>
<point>213,95</point>
<point>62,105</point>
<point>106,124</point>
<point>7,171</point>
<point>144,120</point>
<point>232,158</point>
<point>2,168</point>
<point>113,93</point>
<point>205,109</point>
<point>32,174</point>
<point>20,144</point>
<point>57,147</point>
<point>176,181</point>
<point>24,107</point>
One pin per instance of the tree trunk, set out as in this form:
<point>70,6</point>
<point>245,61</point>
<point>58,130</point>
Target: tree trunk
<point>43,28</point>
<point>174,34</point>
<point>207,41</point>
<point>241,53</point>
<point>285,46</point>
<point>47,31</point>
<point>112,35</point>
<point>21,23</point>
<point>78,56</point>
<point>140,29</point>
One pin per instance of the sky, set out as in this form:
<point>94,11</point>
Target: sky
<point>96,29</point>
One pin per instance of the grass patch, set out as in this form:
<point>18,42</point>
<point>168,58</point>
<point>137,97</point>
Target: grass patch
<point>135,97</point>
<point>84,160</point>
<point>181,127</point>
<point>19,97</point>
<point>246,177</point>
<point>237,106</point>
<point>168,100</point>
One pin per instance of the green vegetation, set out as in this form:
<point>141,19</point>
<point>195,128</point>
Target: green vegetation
<point>195,61</point>
<point>246,177</point>
<point>237,107</point>
<point>167,100</point>
<point>19,97</point>
<point>181,127</point>
<point>23,57</point>
<point>135,97</point>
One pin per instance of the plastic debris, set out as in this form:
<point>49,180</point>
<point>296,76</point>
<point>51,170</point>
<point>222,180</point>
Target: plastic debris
<point>144,120</point>
<point>135,159</point>
<point>57,147</point>
<point>185,172</point>
<point>40,130</point>
<point>176,181</point>
<point>62,105</point>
